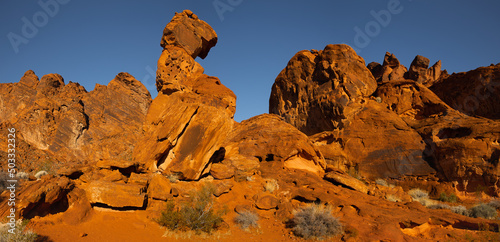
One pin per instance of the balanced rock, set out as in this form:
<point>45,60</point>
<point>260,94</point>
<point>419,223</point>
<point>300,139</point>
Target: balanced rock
<point>190,33</point>
<point>190,118</point>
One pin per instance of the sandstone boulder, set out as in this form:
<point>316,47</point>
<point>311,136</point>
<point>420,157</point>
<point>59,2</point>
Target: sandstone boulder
<point>159,187</point>
<point>115,164</point>
<point>181,135</point>
<point>266,201</point>
<point>221,171</point>
<point>139,179</point>
<point>40,198</point>
<point>116,195</point>
<point>314,90</point>
<point>269,139</point>
<point>190,33</point>
<point>339,177</point>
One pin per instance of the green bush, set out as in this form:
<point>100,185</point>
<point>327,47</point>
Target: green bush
<point>316,221</point>
<point>483,211</point>
<point>247,219</point>
<point>21,234</point>
<point>197,214</point>
<point>451,198</point>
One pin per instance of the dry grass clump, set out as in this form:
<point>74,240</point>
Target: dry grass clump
<point>247,219</point>
<point>21,233</point>
<point>483,211</point>
<point>381,182</point>
<point>197,214</point>
<point>417,194</point>
<point>495,204</point>
<point>460,209</point>
<point>316,221</point>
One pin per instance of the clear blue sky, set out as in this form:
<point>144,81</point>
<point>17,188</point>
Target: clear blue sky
<point>91,41</point>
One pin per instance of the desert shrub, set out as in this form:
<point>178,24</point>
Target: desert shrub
<point>462,210</point>
<point>22,175</point>
<point>271,185</point>
<point>451,198</point>
<point>197,214</point>
<point>439,206</point>
<point>427,202</point>
<point>495,204</point>
<point>483,211</point>
<point>417,194</point>
<point>316,221</point>
<point>21,234</point>
<point>392,198</point>
<point>381,182</point>
<point>247,219</point>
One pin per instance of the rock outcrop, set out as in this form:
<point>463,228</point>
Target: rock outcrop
<point>390,70</point>
<point>328,92</point>
<point>459,147</point>
<point>70,124</point>
<point>475,93</point>
<point>404,129</point>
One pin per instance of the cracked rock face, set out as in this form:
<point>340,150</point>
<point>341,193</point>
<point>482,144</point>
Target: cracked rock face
<point>476,92</point>
<point>69,123</point>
